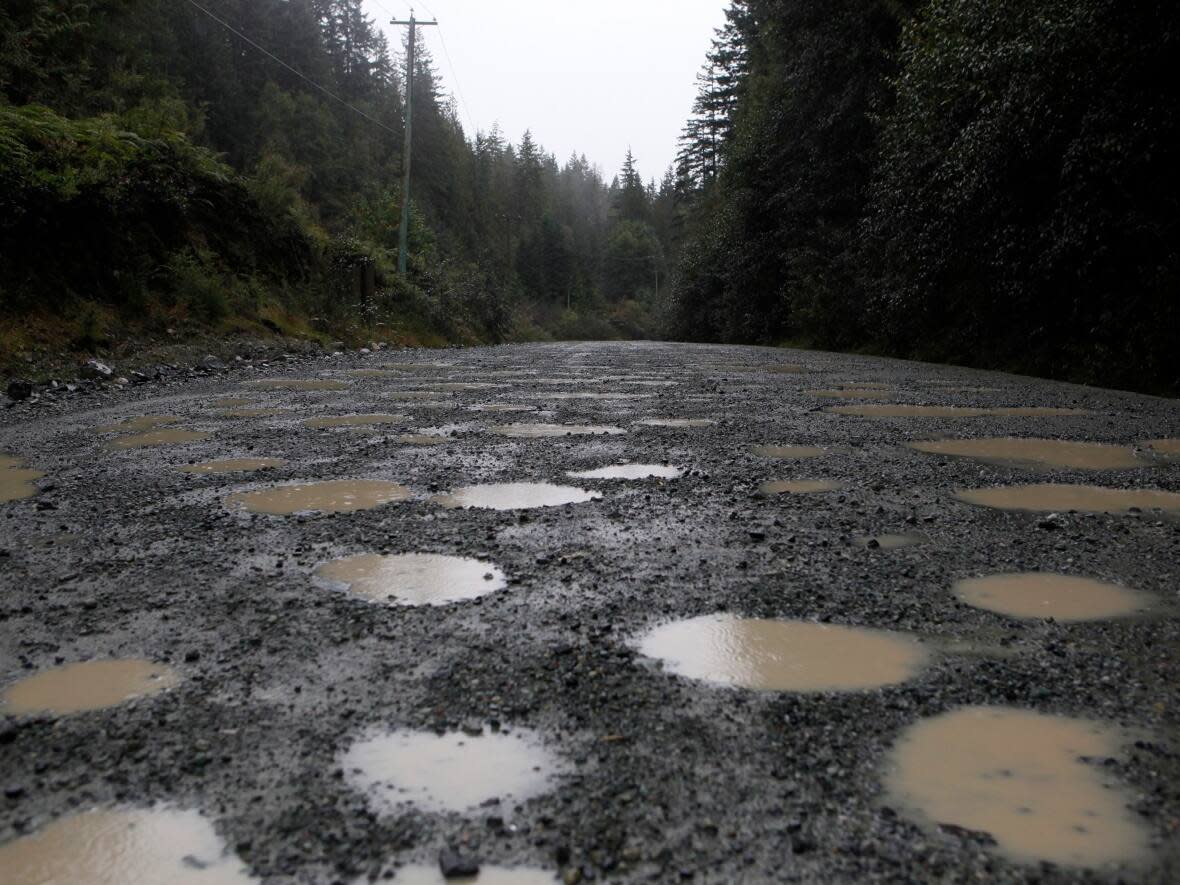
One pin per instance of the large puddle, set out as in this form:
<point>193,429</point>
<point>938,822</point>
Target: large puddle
<point>676,422</point>
<point>353,421</point>
<point>90,685</point>
<point>137,424</point>
<point>449,772</point>
<point>16,481</point>
<point>787,452</point>
<point>629,471</point>
<point>515,496</point>
<point>421,874</point>
<point>334,496</point>
<point>233,465</point>
<point>1059,497</point>
<point>297,384</point>
<point>1046,595</point>
<point>1019,776</point>
<point>800,486</point>
<point>783,655</point>
<point>414,578</point>
<point>893,410</point>
<point>157,438</point>
<point>538,431</point>
<point>123,847</point>
<point>1037,452</point>
<point>1165,446</point>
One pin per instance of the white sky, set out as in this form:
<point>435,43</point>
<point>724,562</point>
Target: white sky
<point>592,77</point>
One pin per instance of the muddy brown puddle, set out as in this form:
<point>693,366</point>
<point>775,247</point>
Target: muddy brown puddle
<point>1165,446</point>
<point>774,655</point>
<point>123,847</point>
<point>541,431</point>
<point>333,496</point>
<point>1019,776</point>
<point>414,578</point>
<point>1047,595</point>
<point>157,438</point>
<point>1060,497</point>
<point>787,452</point>
<point>629,471</point>
<point>450,772</point>
<point>515,496</point>
<point>90,685</point>
<point>16,481</point>
<point>353,421</point>
<point>1037,453</point>
<point>800,486</point>
<point>233,465</point>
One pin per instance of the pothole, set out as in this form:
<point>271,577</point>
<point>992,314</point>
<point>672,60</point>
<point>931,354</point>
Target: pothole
<point>1037,452</point>
<point>16,481</point>
<point>676,422</point>
<point>123,847</point>
<point>1060,497</point>
<point>353,421</point>
<point>157,438</point>
<point>787,452</point>
<point>800,486</point>
<point>515,496</point>
<point>890,541</point>
<point>1021,778</point>
<point>90,685</point>
<point>1165,446</point>
<point>297,384</point>
<point>414,578</point>
<point>1047,595</point>
<point>449,772</point>
<point>421,874</point>
<point>137,424</point>
<point>629,471</point>
<point>850,393</point>
<point>233,465</point>
<point>896,410</point>
<point>538,431</point>
<point>333,496</point>
<point>775,655</point>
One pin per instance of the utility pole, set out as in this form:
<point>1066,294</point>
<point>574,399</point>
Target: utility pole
<point>403,236</point>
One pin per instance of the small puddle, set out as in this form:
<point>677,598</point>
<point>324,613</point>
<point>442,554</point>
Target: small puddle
<point>353,421</point>
<point>1046,595</point>
<point>16,482</point>
<point>515,496</point>
<point>334,496</point>
<point>233,465</point>
<point>850,393</point>
<point>1059,497</point>
<point>1037,452</point>
<point>156,438</point>
<point>538,431</point>
<point>140,423</point>
<point>450,772</point>
<point>676,422</point>
<point>422,874</point>
<point>787,453</point>
<point>890,542</point>
<point>249,413</point>
<point>422,439</point>
<point>776,655</point>
<point>629,471</point>
<point>894,410</point>
<point>123,847</point>
<point>1165,446</point>
<point>90,685</point>
<point>1019,776</point>
<point>297,384</point>
<point>414,578</point>
<point>800,486</point>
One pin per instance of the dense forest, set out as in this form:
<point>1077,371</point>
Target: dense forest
<point>992,182</point>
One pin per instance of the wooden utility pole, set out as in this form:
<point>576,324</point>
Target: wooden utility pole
<point>403,236</point>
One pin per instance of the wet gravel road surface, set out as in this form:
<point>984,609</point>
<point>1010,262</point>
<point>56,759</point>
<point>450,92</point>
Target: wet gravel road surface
<point>656,776</point>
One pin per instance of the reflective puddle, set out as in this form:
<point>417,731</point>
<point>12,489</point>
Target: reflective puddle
<point>140,423</point>
<point>890,542</point>
<point>537,431</point>
<point>423,439</point>
<point>1059,497</point>
<point>629,471</point>
<point>123,847</point>
<point>1037,452</point>
<point>515,496</point>
<point>1165,446</point>
<point>777,655</point>
<point>233,465</point>
<point>335,496</point>
<point>90,685</point>
<point>450,772</point>
<point>1018,776</point>
<point>787,453</point>
<point>297,384</point>
<point>893,410</point>
<point>156,438</point>
<point>249,413</point>
<point>421,874</point>
<point>414,578</point>
<point>850,393</point>
<point>676,422</point>
<point>1045,595</point>
<point>16,482</point>
<point>800,486</point>
<point>353,421</point>
<point>232,402</point>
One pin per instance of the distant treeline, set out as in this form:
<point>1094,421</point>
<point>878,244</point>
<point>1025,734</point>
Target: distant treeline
<point>992,182</point>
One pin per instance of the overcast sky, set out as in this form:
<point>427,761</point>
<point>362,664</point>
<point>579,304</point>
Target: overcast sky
<point>592,77</point>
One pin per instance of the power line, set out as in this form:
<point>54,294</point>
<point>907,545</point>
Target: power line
<point>297,73</point>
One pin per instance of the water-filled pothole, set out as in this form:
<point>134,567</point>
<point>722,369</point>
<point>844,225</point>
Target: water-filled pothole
<point>515,496</point>
<point>333,496</point>
<point>783,655</point>
<point>538,431</point>
<point>156,438</point>
<point>787,452</point>
<point>297,384</point>
<point>137,424</point>
<point>1047,595</point>
<point>890,541</point>
<point>123,847</point>
<point>629,471</point>
<point>1165,446</point>
<point>16,481</point>
<point>1037,452</point>
<point>414,578</point>
<point>1020,777</point>
<point>353,421</point>
<point>676,422</point>
<point>90,685</point>
<point>450,772</point>
<point>233,465</point>
<point>1060,497</point>
<point>800,486</point>
<point>896,410</point>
